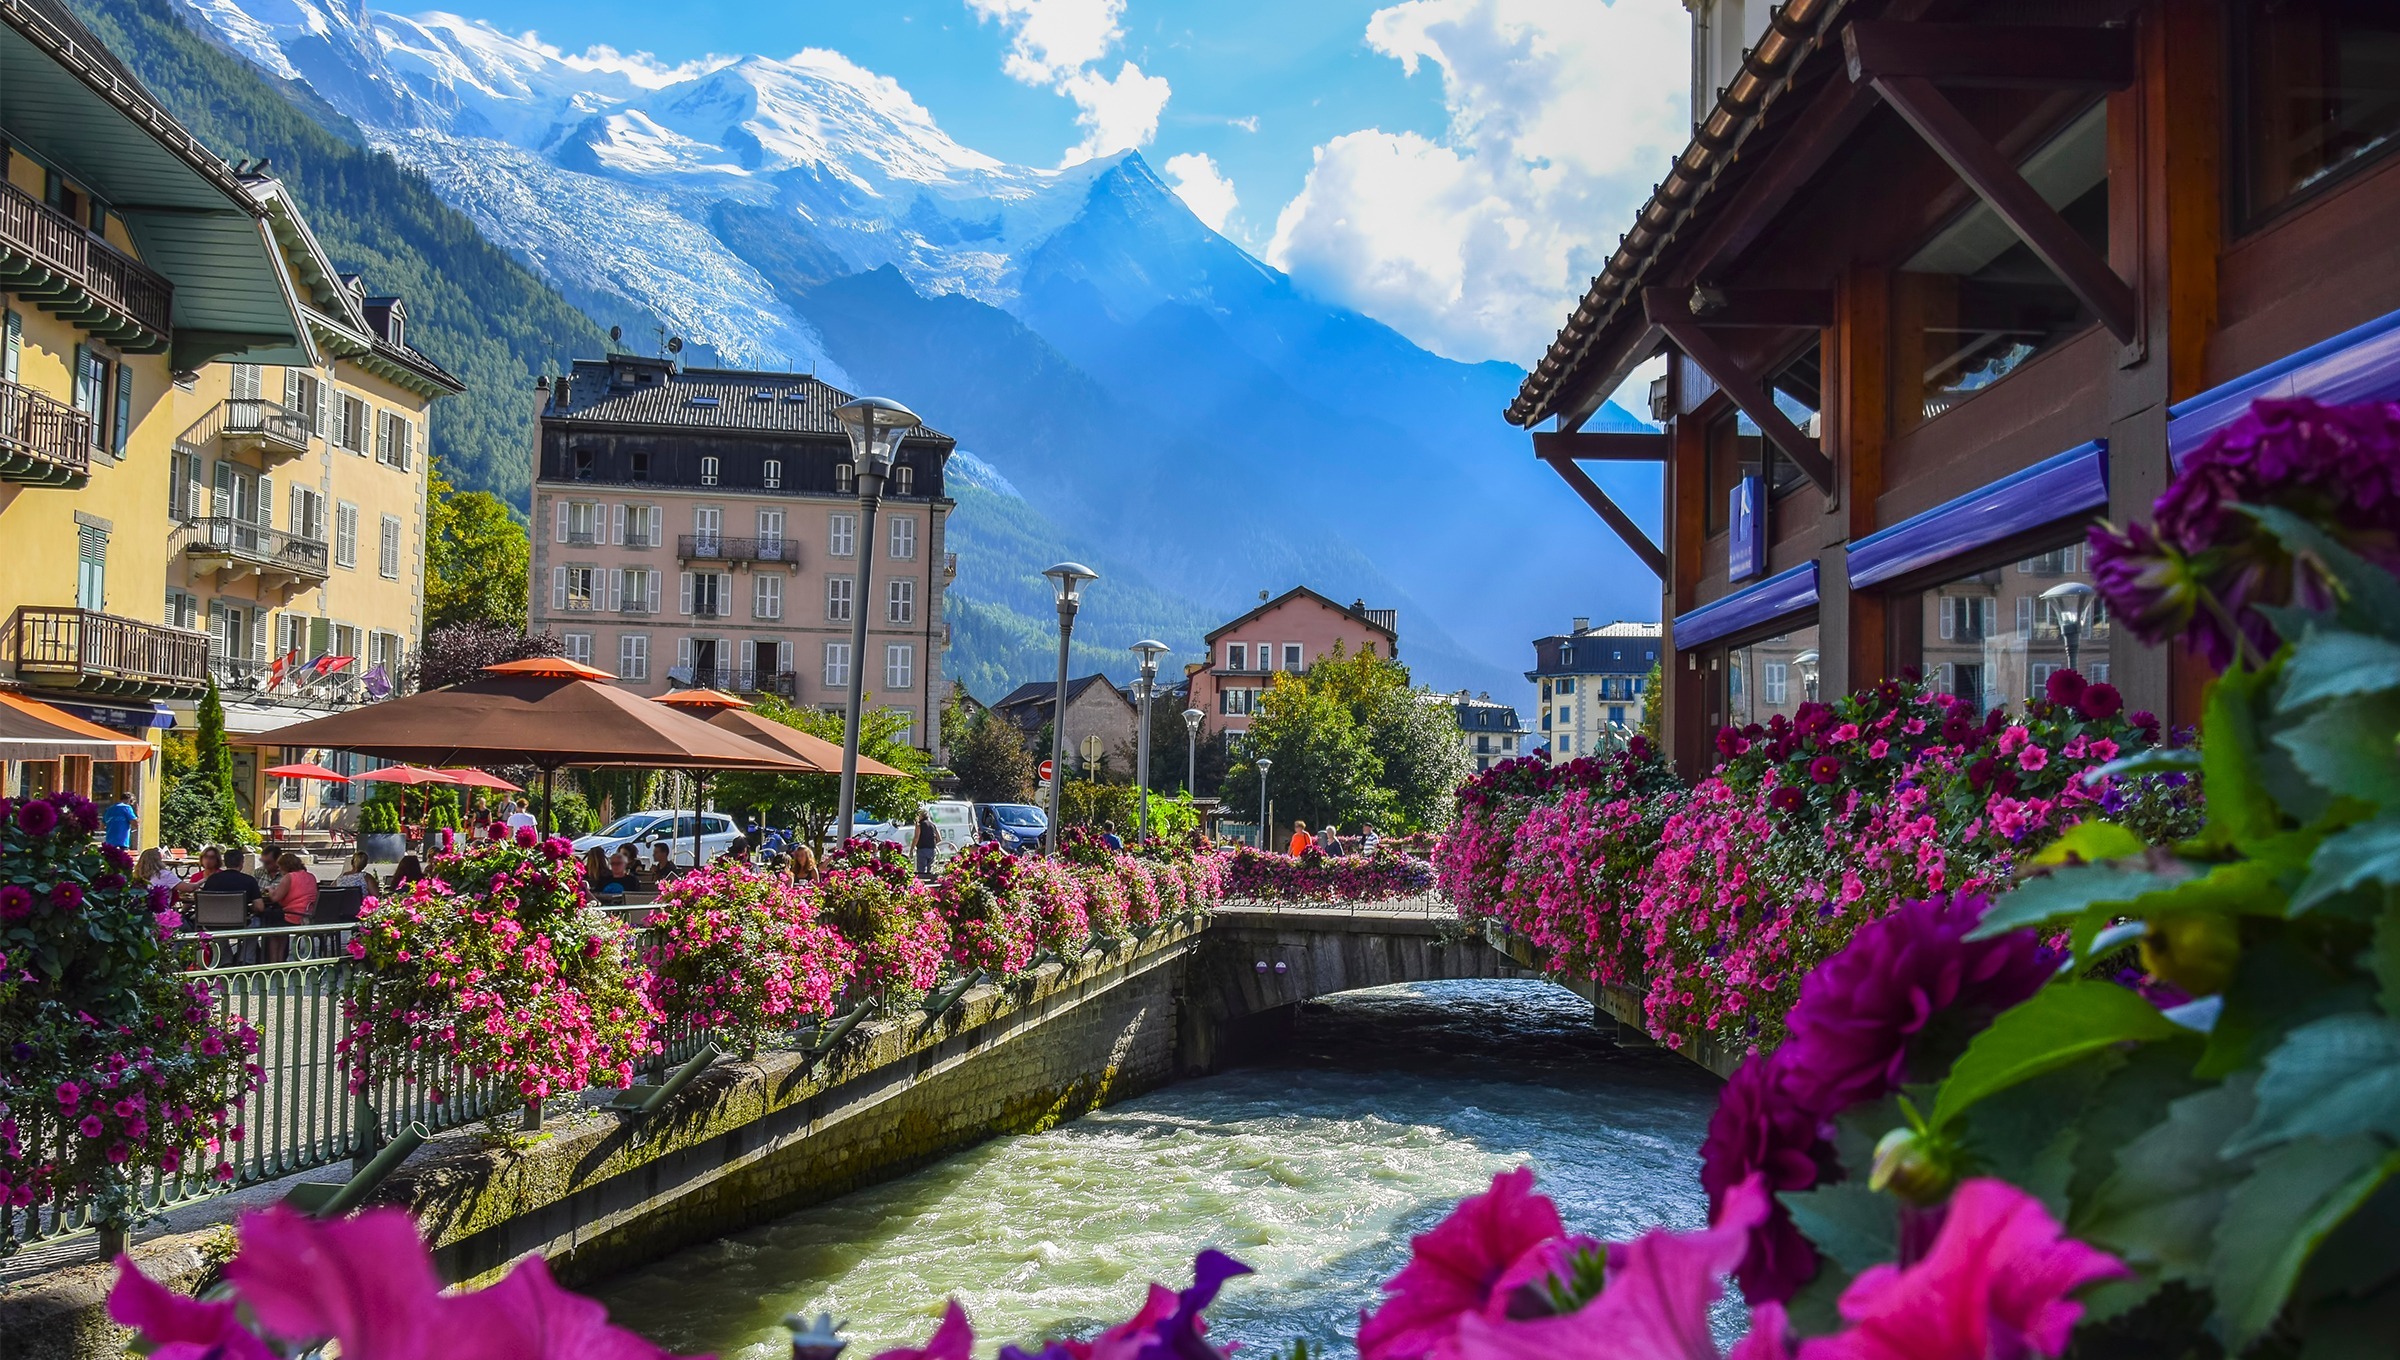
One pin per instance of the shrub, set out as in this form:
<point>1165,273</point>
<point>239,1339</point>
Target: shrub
<point>982,898</point>
<point>902,942</point>
<point>743,952</point>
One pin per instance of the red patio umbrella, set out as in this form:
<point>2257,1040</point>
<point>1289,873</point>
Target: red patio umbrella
<point>306,769</point>
<point>406,776</point>
<point>478,779</point>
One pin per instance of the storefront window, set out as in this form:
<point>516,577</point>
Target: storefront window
<point>1736,449</point>
<point>2319,82</point>
<point>1773,675</point>
<point>1994,637</point>
<point>1975,304</point>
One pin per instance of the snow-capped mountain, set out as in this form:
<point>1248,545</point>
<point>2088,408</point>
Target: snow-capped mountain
<point>1101,349</point>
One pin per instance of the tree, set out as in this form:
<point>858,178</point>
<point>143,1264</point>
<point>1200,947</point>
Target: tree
<point>620,791</point>
<point>811,801</point>
<point>476,558</point>
<point>1170,750</point>
<point>198,806</point>
<point>988,756</point>
<point>1654,694</point>
<point>460,651</point>
<point>1352,744</point>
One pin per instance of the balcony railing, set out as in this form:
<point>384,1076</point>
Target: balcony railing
<point>584,538</point>
<point>252,679</point>
<point>222,543</point>
<point>275,430</point>
<point>47,258</point>
<point>43,442</point>
<point>747,680</point>
<point>97,651</point>
<point>718,548</point>
<point>949,566</point>
<point>712,609</point>
<point>638,605</point>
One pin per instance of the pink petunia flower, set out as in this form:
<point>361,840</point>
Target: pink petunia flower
<point>953,1340</point>
<point>1461,1267</point>
<point>1995,1283</point>
<point>2032,758</point>
<point>174,1327</point>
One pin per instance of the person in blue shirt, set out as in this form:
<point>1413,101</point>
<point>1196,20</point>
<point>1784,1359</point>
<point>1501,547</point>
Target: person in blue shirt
<point>121,819</point>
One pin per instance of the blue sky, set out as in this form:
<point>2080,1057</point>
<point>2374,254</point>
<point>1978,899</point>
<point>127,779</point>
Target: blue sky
<point>1455,168</point>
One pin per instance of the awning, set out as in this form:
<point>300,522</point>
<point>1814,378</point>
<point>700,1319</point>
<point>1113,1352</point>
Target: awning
<point>33,730</point>
<point>257,719</point>
<point>118,717</point>
<point>1785,595</point>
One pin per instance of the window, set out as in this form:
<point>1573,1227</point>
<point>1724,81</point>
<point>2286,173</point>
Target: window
<point>1566,684</point>
<point>708,530</point>
<point>1616,715</point>
<point>633,656</point>
<point>2056,562</point>
<point>183,609</point>
<point>904,480</point>
<point>574,589</point>
<point>395,441</point>
<point>639,465</point>
<point>906,733</point>
<point>244,382</point>
<point>904,537</point>
<point>770,536</point>
<point>579,647</point>
<point>1237,657</point>
<point>91,391</point>
<point>1566,714</point>
<point>387,558</point>
<point>838,598</point>
<point>767,596</point>
<point>708,471</point>
<point>841,535</point>
<point>900,603</point>
<point>91,567</point>
<point>304,396</point>
<point>1566,743</point>
<point>707,594</point>
<point>351,428</point>
<point>635,590</point>
<point>1236,703</point>
<point>772,479</point>
<point>2314,94</point>
<point>1971,658</point>
<point>1775,678</point>
<point>2037,677</point>
<point>120,427</point>
<point>1291,656</point>
<point>1967,618</point>
<point>1566,654</point>
<point>1483,743</point>
<point>1974,305</point>
<point>844,478</point>
<point>645,526</point>
<point>899,665</point>
<point>1748,689</point>
<point>345,534</point>
<point>837,665</point>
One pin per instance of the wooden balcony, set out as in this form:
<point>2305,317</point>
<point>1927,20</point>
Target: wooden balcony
<point>49,259</point>
<point>85,649</point>
<point>235,548</point>
<point>273,431</point>
<point>43,441</point>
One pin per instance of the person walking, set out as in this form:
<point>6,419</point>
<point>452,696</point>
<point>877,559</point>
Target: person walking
<point>120,820</point>
<point>928,839</point>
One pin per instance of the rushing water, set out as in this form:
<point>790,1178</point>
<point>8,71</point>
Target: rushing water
<point>1314,1169</point>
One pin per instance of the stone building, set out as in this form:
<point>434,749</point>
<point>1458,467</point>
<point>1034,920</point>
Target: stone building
<point>1095,707</point>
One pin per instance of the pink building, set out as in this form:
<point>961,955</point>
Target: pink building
<point>700,527</point>
<point>1287,633</point>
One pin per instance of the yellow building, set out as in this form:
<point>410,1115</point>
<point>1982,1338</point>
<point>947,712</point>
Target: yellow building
<point>298,498</point>
<point>131,259</point>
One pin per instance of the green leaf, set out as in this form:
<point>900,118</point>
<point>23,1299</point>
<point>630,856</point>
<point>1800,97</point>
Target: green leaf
<point>2366,853</point>
<point>2060,1024</point>
<point>2383,959</point>
<point>2277,987</point>
<point>2028,1135</point>
<point>2155,760</point>
<point>2328,665</point>
<point>2240,809</point>
<point>2369,595</point>
<point>2160,1208</point>
<point>2135,1100</point>
<point>2275,1218</point>
<point>2353,1328</point>
<point>2093,842</point>
<point>2348,747</point>
<point>1854,1225</point>
<point>2327,1079</point>
<point>2071,892</point>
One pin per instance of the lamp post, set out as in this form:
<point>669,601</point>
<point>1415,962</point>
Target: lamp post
<point>1066,582</point>
<point>1192,719</point>
<point>2073,602</point>
<point>1265,763</point>
<point>1149,650</point>
<point>1808,663</point>
<point>876,425</point>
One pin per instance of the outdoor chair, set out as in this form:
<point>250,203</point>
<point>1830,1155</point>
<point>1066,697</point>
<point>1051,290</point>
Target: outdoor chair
<point>220,911</point>
<point>338,906</point>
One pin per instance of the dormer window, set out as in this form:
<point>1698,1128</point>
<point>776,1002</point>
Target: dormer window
<point>1566,654</point>
<point>583,465</point>
<point>708,471</point>
<point>843,473</point>
<point>641,467</point>
<point>904,480</point>
<point>774,474</point>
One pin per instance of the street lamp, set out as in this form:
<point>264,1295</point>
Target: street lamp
<point>1149,650</point>
<point>1066,582</point>
<point>1192,719</point>
<point>1265,763</point>
<point>2074,603</point>
<point>876,425</point>
<point>1808,662</point>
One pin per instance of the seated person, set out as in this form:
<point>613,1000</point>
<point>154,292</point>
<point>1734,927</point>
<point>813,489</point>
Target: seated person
<point>232,878</point>
<point>625,869</point>
<point>211,860</point>
<point>662,863</point>
<point>293,899</point>
<point>356,876</point>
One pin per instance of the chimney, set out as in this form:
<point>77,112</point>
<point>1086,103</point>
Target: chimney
<point>1582,624</point>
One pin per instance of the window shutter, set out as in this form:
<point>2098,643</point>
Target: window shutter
<point>658,526</point>
<point>291,390</point>
<point>81,377</point>
<point>1991,612</point>
<point>687,593</point>
<point>299,521</point>
<point>116,441</point>
<point>561,507</point>
<point>2024,616</point>
<point>616,520</point>
<point>616,590</point>
<point>319,407</point>
<point>258,636</point>
<point>683,655</point>
<point>1949,614</point>
<point>266,501</point>
<point>749,655</point>
<point>558,588</point>
<point>12,339</point>
<point>216,626</point>
<point>783,658</point>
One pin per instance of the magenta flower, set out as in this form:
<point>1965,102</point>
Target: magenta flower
<point>37,818</point>
<point>1765,1133</point>
<point>16,902</point>
<point>1995,1283</point>
<point>952,1340</point>
<point>1457,1269</point>
<point>2032,758</point>
<point>526,837</point>
<point>66,896</point>
<point>1655,1304</point>
<point>2101,702</point>
<point>173,1327</point>
<point>2063,687</point>
<point>1859,1010</point>
<point>1825,769</point>
<point>1787,798</point>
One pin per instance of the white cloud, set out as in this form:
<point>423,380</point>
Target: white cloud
<point>1060,43</point>
<point>1476,244</point>
<point>1202,187</point>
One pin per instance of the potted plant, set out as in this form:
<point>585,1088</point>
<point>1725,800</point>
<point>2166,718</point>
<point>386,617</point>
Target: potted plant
<point>379,837</point>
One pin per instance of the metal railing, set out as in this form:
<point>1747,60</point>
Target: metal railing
<point>239,540</point>
<point>43,441</point>
<point>718,548</point>
<point>747,680</point>
<point>103,648</point>
<point>49,242</point>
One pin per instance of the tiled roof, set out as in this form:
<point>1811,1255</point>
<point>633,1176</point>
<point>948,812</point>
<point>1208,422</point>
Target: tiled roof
<point>1043,691</point>
<point>705,398</point>
<point>1358,613</point>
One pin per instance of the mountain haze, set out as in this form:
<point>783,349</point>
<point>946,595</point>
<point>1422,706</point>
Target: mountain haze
<point>1144,393</point>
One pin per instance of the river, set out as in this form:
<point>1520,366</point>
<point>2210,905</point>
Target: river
<point>1314,1169</point>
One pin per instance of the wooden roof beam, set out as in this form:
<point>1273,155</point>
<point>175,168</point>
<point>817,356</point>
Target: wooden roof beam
<point>1610,446</point>
<point>1610,513</point>
<point>1763,308</point>
<point>1670,311</point>
<point>1894,62</point>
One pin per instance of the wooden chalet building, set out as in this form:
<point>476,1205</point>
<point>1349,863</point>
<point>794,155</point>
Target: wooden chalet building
<point>1941,284</point>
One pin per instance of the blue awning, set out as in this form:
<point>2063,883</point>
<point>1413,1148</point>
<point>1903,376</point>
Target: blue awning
<point>1782,596</point>
<point>2360,364</point>
<point>2072,483</point>
<point>121,717</point>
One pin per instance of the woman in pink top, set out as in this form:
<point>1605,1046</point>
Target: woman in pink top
<point>296,892</point>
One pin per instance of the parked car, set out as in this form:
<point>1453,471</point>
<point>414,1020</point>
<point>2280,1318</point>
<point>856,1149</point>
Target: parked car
<point>1016,827</point>
<point>641,830</point>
